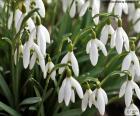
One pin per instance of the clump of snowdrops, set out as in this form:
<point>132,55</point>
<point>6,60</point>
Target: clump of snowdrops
<point>68,57</point>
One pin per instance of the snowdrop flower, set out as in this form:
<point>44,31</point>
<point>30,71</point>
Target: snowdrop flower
<point>95,5</point>
<point>120,39</point>
<point>30,4</point>
<point>131,63</point>
<point>71,6</point>
<point>106,32</point>
<point>38,55</point>
<point>92,49</point>
<point>118,7</point>
<point>41,34</point>
<point>131,110</point>
<point>85,100</point>
<point>127,89</point>
<point>131,11</point>
<point>99,99</point>
<point>136,20</point>
<point>49,67</point>
<point>67,88</point>
<point>70,58</point>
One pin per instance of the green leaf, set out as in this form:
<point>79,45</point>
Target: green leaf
<point>31,100</point>
<point>8,109</point>
<point>6,90</point>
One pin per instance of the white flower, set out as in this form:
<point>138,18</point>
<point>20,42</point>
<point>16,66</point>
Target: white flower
<point>131,11</point>
<point>36,4</point>
<point>131,63</point>
<point>119,40</point>
<point>49,67</point>
<point>67,88</point>
<point>131,110</point>
<point>85,100</point>
<point>92,49</point>
<point>72,6</point>
<point>43,37</point>
<point>95,5</point>
<point>127,90</point>
<point>136,20</point>
<point>99,99</point>
<point>37,55</point>
<point>70,58</point>
<point>118,7</point>
<point>106,31</point>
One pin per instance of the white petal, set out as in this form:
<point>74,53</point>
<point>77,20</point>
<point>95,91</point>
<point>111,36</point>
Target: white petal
<point>72,96</point>
<point>68,92</point>
<point>77,86</point>
<point>30,24</point>
<point>122,89</point>
<point>126,62</point>
<point>101,46</point>
<point>100,103</point>
<point>61,93</point>
<point>118,9</point>
<point>74,63</point>
<point>32,61</point>
<point>92,98</point>
<point>104,34</point>
<point>18,15</point>
<point>126,39</point>
<point>73,9</point>
<point>40,5</point>
<point>113,39</point>
<point>84,9</point>
<point>95,10</point>
<point>137,89</point>
<point>64,61</point>
<point>128,94</point>
<point>88,46</point>
<point>119,41</point>
<point>104,95</point>
<point>85,101</point>
<point>40,57</point>
<point>111,6</point>
<point>93,53</point>
<point>26,55</point>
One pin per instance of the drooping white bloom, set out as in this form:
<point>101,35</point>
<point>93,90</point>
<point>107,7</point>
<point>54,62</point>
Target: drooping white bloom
<point>72,5</point>
<point>136,20</point>
<point>70,58</point>
<point>95,5</point>
<point>35,4</point>
<point>118,7</point>
<point>99,99</point>
<point>119,40</point>
<point>127,89</point>
<point>67,88</point>
<point>38,55</point>
<point>106,32</point>
<point>131,110</point>
<point>92,49</point>
<point>131,11</point>
<point>86,99</point>
<point>49,67</point>
<point>42,36</point>
<point>131,63</point>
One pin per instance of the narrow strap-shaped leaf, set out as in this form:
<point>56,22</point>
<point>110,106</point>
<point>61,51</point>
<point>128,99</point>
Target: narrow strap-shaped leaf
<point>8,109</point>
<point>6,90</point>
<point>31,100</point>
